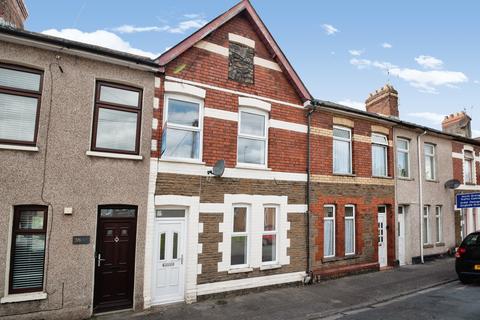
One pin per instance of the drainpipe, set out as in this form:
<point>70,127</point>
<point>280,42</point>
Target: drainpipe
<point>395,201</point>
<point>420,193</point>
<point>309,277</point>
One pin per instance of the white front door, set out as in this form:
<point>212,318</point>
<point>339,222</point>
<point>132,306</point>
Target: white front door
<point>401,235</point>
<point>382,236</point>
<point>168,264</point>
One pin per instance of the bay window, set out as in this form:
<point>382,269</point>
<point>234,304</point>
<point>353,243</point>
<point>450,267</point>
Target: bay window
<point>239,239</point>
<point>269,235</point>
<point>182,133</point>
<point>429,154</point>
<point>349,229</point>
<point>20,95</point>
<point>252,138</point>
<point>379,155</point>
<point>27,258</point>
<point>403,158</point>
<point>329,231</point>
<point>469,161</point>
<point>117,119</point>
<point>342,150</point>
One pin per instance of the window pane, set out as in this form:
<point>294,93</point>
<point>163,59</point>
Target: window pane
<point>19,79</point>
<point>240,219</point>
<point>269,219</point>
<point>182,144</point>
<point>175,245</point>
<point>162,246</point>
<point>17,117</point>
<point>429,167</point>
<point>382,209</point>
<point>28,261</point>
<point>269,245</point>
<point>32,220</point>
<point>170,213</point>
<point>116,130</point>
<point>349,236</point>
<point>379,154</point>
<point>341,157</point>
<point>402,161</point>
<point>118,213</point>
<point>377,138</point>
<point>349,212</point>
<point>328,238</point>
<point>428,149</point>
<point>184,113</point>
<point>253,124</point>
<point>425,230</point>
<point>402,144</point>
<point>341,133</point>
<point>239,250</point>
<point>119,96</point>
<point>328,212</point>
<point>251,151</point>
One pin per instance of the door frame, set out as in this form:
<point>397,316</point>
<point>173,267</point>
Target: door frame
<point>183,273</point>
<point>134,253</point>
<point>385,235</point>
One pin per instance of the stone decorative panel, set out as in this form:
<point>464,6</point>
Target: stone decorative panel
<point>240,63</point>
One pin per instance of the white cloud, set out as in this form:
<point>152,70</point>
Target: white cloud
<point>429,62</point>
<point>353,104</point>
<point>354,52</point>
<point>386,45</point>
<point>100,38</point>
<point>424,81</point>
<point>476,82</point>
<point>194,22</point>
<point>329,29</point>
<point>431,117</point>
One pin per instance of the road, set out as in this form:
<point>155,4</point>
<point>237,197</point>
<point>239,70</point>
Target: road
<point>450,301</point>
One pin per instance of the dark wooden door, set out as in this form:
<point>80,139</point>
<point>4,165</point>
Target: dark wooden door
<point>114,264</point>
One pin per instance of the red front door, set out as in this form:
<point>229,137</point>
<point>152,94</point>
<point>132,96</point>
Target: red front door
<point>114,259</point>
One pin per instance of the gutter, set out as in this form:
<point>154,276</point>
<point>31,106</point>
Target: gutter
<point>420,193</point>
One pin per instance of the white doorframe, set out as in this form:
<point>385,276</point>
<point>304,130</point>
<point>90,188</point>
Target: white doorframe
<point>401,234</point>
<point>383,241</point>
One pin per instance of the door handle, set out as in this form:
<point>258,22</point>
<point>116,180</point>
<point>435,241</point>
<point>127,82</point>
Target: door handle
<point>181,259</point>
<point>99,259</point>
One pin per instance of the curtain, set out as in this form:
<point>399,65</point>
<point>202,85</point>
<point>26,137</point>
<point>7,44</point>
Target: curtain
<point>328,238</point>
<point>379,160</point>
<point>341,156</point>
<point>349,236</point>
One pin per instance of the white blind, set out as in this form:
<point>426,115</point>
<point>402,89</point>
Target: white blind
<point>17,117</point>
<point>19,79</point>
<point>28,261</point>
<point>328,238</point>
<point>349,235</point>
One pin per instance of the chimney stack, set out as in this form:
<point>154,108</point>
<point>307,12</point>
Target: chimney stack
<point>458,123</point>
<point>13,13</point>
<point>383,101</point>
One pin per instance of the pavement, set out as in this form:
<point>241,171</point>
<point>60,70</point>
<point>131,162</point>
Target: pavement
<point>326,299</point>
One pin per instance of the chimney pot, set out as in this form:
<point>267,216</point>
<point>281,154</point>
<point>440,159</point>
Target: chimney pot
<point>13,13</point>
<point>383,101</point>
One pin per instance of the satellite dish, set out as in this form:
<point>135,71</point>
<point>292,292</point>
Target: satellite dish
<point>218,168</point>
<point>452,184</point>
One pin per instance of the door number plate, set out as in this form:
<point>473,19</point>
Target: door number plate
<point>168,264</point>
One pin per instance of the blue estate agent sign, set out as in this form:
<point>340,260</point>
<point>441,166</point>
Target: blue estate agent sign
<point>468,200</point>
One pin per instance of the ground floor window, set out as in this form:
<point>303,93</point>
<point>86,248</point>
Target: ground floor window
<point>269,236</point>
<point>438,224</point>
<point>426,229</point>
<point>239,249</point>
<point>28,249</point>
<point>349,229</point>
<point>328,231</point>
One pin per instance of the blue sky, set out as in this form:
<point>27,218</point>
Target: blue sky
<point>343,50</point>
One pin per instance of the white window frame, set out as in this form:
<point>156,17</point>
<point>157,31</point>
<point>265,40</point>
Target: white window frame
<point>354,229</point>
<point>275,233</point>
<point>385,150</point>
<point>333,230</point>
<point>259,112</point>
<point>434,162</point>
<point>469,162</point>
<point>245,233</point>
<point>426,231</point>
<point>167,125</point>
<point>350,149</point>
<point>407,152</point>
<point>439,224</point>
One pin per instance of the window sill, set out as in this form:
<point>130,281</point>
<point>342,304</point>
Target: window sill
<point>429,180</point>
<point>335,259</point>
<point>470,184</point>
<point>270,266</point>
<point>240,270</point>
<point>382,177</point>
<point>113,155</point>
<point>344,174</point>
<point>177,160</point>
<point>23,297</point>
<point>440,244</point>
<point>18,148</point>
<point>427,246</point>
<point>252,167</point>
<point>406,178</point>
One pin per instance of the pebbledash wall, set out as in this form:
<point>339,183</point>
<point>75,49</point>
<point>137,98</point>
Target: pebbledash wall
<point>201,73</point>
<point>69,178</point>
<point>359,189</point>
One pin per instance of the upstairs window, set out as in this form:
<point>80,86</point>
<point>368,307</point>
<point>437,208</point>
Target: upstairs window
<point>403,158</point>
<point>117,119</point>
<point>379,155</point>
<point>28,249</point>
<point>430,167</point>
<point>469,167</point>
<point>342,150</point>
<point>20,95</point>
<point>182,136</point>
<point>252,138</point>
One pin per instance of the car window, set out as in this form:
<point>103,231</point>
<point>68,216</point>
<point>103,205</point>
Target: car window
<point>471,240</point>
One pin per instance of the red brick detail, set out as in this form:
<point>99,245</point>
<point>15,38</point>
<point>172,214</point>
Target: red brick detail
<point>342,271</point>
<point>458,169</point>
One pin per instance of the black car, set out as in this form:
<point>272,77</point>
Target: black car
<point>467,264</point>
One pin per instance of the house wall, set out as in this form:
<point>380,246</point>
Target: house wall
<point>70,178</point>
<point>434,193</point>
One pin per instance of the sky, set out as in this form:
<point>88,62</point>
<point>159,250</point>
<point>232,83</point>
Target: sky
<point>343,50</point>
